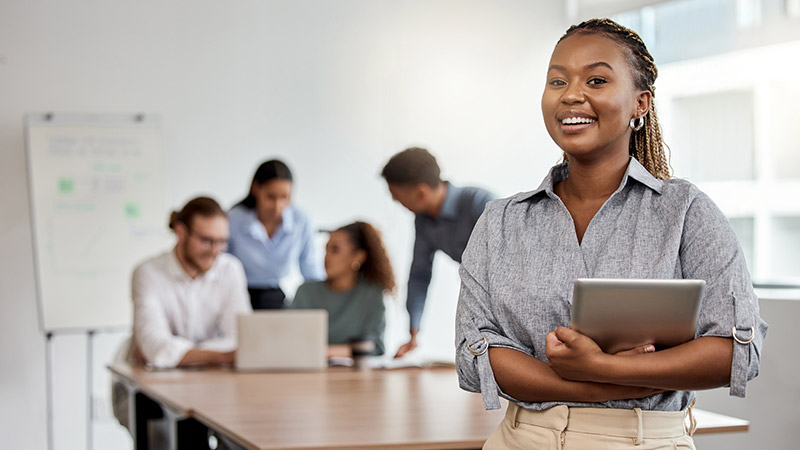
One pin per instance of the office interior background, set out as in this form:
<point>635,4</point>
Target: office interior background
<point>335,88</point>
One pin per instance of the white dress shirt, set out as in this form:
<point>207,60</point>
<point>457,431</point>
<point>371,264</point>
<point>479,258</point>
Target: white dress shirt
<point>173,313</point>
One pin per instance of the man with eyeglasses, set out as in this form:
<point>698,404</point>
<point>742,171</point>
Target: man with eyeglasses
<point>186,300</point>
<point>185,303</point>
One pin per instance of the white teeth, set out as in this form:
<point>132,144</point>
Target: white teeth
<point>576,120</point>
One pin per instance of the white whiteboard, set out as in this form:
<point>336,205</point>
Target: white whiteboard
<point>97,209</point>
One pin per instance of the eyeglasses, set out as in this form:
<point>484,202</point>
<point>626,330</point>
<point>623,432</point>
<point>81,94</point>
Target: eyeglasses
<point>208,242</point>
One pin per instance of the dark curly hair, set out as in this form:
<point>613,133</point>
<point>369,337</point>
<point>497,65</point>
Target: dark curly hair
<point>377,268</point>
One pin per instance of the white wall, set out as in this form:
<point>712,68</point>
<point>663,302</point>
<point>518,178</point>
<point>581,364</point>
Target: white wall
<point>772,398</point>
<point>746,160</point>
<point>334,88</point>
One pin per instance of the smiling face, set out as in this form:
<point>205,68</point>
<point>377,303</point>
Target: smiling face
<point>199,245</point>
<point>590,97</point>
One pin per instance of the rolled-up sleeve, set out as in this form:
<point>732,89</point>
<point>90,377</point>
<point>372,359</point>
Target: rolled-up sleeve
<point>710,252</point>
<point>476,326</point>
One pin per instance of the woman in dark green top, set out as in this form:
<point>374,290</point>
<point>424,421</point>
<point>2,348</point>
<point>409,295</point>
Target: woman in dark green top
<point>359,272</point>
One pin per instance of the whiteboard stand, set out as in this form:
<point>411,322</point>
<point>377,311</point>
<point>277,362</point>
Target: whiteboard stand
<point>97,209</point>
<point>89,390</point>
<point>49,382</point>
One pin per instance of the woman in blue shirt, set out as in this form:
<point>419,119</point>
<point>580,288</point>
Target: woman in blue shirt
<point>269,234</point>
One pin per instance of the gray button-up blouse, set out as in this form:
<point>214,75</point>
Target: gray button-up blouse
<point>519,266</point>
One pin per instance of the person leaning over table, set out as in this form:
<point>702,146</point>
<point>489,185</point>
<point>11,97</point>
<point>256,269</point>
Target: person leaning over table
<point>444,215</point>
<point>186,300</point>
<point>610,210</point>
<point>269,234</point>
<point>358,274</point>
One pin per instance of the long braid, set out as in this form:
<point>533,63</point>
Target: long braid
<point>646,145</point>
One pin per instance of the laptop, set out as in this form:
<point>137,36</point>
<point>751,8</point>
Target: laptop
<point>620,314</point>
<point>282,339</point>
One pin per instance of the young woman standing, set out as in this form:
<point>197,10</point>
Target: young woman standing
<point>611,210</point>
<point>269,234</point>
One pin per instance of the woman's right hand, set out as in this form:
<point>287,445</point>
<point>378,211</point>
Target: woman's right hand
<point>340,351</point>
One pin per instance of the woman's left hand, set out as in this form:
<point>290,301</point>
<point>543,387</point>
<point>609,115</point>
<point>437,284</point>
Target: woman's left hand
<point>572,355</point>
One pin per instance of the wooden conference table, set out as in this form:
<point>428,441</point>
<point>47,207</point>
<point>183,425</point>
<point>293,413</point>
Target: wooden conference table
<point>338,408</point>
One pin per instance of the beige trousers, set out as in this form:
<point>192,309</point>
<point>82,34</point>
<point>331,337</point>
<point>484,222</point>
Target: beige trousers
<point>565,428</point>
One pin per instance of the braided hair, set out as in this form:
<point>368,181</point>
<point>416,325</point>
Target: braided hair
<point>646,144</point>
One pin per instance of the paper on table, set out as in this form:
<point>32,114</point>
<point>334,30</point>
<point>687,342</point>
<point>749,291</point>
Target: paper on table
<point>401,363</point>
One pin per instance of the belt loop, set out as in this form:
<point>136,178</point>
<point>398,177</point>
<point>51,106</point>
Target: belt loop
<point>516,415</point>
<point>692,426</point>
<point>639,431</point>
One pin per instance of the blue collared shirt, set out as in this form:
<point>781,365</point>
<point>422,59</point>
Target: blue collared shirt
<point>519,267</point>
<point>266,260</point>
<point>448,232</point>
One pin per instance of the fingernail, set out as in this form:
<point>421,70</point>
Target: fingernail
<point>649,349</point>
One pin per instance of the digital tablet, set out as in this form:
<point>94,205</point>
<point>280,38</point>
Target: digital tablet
<point>622,314</point>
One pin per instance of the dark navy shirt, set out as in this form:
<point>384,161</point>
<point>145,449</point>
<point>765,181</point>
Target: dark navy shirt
<point>449,232</point>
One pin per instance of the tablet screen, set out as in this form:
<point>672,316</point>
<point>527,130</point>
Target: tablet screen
<point>620,314</point>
